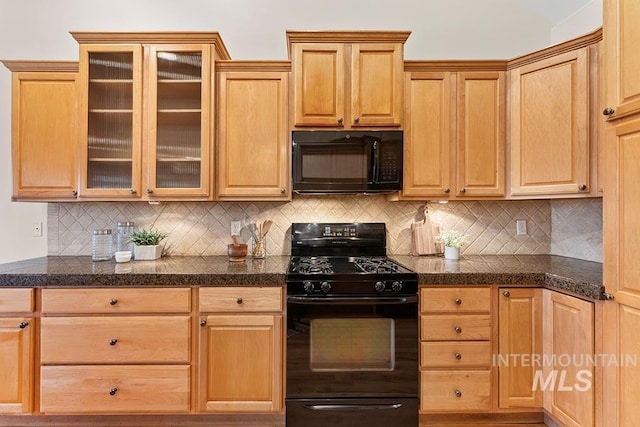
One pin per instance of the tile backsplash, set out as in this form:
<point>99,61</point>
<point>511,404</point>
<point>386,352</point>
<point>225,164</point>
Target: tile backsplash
<point>202,228</point>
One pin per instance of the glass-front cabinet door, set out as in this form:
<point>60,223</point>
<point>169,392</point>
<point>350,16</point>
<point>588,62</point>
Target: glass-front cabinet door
<point>177,145</point>
<point>111,121</point>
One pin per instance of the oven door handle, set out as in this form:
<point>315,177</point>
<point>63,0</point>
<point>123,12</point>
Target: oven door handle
<point>335,407</point>
<point>411,299</point>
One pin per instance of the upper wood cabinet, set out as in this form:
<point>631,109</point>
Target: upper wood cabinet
<point>44,129</point>
<point>146,114</point>
<point>550,151</point>
<point>253,159</point>
<point>454,131</point>
<point>347,79</point>
<point>622,58</point>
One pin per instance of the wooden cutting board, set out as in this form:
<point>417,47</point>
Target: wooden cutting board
<point>423,238</point>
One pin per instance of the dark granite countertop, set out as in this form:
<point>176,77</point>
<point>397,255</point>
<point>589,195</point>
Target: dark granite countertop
<point>579,277</point>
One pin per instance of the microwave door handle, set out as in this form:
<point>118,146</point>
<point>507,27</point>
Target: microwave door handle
<point>373,170</point>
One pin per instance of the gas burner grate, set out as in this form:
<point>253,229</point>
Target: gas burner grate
<point>313,265</point>
<point>375,265</point>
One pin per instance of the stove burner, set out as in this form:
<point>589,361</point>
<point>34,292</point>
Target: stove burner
<point>314,265</point>
<point>375,265</point>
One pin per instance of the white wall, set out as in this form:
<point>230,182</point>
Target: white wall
<point>583,21</point>
<point>251,29</point>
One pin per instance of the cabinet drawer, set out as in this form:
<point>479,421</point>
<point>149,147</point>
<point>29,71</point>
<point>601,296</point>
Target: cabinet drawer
<point>458,300</point>
<point>455,391</point>
<point>445,327</point>
<point>240,299</point>
<point>455,354</point>
<point>114,389</point>
<point>116,300</point>
<point>122,339</point>
<point>16,300</point>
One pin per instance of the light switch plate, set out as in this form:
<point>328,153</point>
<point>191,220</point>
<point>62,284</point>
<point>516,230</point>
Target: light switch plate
<point>521,227</point>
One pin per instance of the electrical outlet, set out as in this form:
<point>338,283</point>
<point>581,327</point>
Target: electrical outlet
<point>235,228</point>
<point>521,227</point>
<point>37,229</point>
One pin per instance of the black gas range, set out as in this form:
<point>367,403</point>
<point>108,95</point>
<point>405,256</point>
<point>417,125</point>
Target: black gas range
<point>352,329</point>
<point>345,259</point>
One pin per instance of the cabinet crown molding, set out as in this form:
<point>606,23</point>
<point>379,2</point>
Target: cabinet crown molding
<point>155,37</point>
<point>347,36</point>
<point>456,65</point>
<point>253,65</point>
<point>41,66</point>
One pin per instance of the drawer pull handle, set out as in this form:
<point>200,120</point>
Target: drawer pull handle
<point>113,301</point>
<point>113,391</point>
<point>113,341</point>
<point>239,300</point>
<point>458,356</point>
<point>458,393</point>
<point>458,329</point>
<point>23,325</point>
<point>203,322</point>
<point>458,301</point>
<point>506,294</point>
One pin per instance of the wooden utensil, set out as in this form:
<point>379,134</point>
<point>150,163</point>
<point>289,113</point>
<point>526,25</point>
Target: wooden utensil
<point>265,227</point>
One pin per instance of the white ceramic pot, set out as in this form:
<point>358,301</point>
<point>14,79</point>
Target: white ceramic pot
<point>147,252</point>
<point>451,253</point>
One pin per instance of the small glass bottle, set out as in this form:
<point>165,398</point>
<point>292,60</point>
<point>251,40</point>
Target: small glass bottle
<point>125,229</point>
<point>102,245</point>
<point>259,247</point>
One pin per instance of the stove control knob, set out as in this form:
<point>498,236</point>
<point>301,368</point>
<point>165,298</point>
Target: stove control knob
<point>308,286</point>
<point>325,287</point>
<point>379,286</point>
<point>396,286</point>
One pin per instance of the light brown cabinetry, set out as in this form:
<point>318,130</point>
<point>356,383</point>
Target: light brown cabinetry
<point>115,351</point>
<point>44,144</point>
<point>549,131</point>
<point>146,114</point>
<point>569,334</point>
<point>454,132</point>
<point>241,350</point>
<point>16,350</point>
<point>253,159</point>
<point>455,363</point>
<point>347,79</point>
<point>620,211</point>
<point>520,344</point>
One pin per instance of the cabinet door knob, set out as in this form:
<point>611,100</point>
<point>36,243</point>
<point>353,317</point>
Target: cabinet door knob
<point>23,325</point>
<point>203,322</point>
<point>458,329</point>
<point>506,294</point>
<point>356,119</point>
<point>113,341</point>
<point>239,300</point>
<point>132,191</point>
<point>608,111</point>
<point>113,391</point>
<point>458,393</point>
<point>458,301</point>
<point>463,190</point>
<point>582,187</point>
<point>74,192</point>
<point>447,190</point>
<point>149,191</point>
<point>340,120</point>
<point>283,190</point>
<point>458,356</point>
<point>113,301</point>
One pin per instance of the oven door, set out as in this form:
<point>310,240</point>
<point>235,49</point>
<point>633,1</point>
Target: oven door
<point>351,359</point>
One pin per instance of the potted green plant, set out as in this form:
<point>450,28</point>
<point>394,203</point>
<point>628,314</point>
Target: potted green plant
<point>146,244</point>
<point>452,241</point>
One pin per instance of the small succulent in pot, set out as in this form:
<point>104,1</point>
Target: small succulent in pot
<point>145,237</point>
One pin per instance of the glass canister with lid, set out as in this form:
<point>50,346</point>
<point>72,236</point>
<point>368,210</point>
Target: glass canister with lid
<point>123,242</point>
<point>102,245</point>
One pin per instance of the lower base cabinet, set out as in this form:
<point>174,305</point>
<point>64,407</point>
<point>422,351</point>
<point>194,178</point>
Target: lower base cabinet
<point>241,350</point>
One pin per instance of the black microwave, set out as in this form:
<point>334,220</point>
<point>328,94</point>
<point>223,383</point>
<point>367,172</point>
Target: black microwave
<point>347,161</point>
